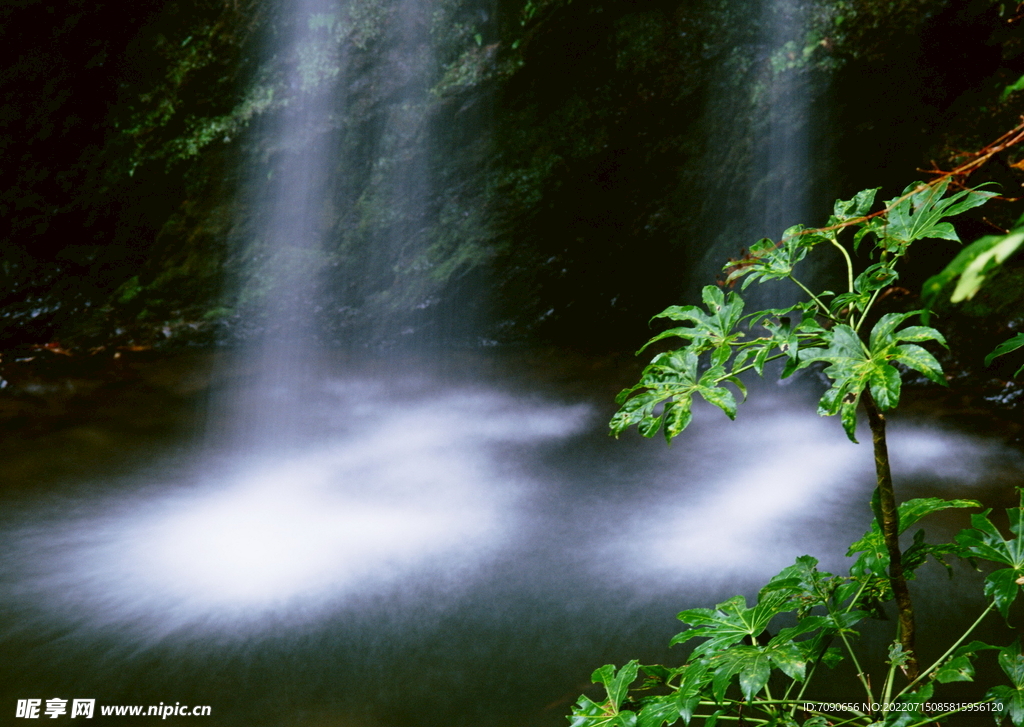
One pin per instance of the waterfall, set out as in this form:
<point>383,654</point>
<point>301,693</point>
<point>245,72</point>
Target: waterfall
<point>786,163</point>
<point>764,169</point>
<point>288,196</point>
<point>336,208</point>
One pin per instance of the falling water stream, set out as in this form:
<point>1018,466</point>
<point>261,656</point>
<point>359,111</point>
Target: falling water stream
<point>414,542</point>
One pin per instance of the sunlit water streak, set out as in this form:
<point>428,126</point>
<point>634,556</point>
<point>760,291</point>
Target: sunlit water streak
<point>468,548</point>
<point>440,488</point>
<point>752,495</point>
<point>419,493</point>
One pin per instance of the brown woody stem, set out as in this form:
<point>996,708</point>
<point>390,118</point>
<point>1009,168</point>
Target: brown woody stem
<point>890,525</point>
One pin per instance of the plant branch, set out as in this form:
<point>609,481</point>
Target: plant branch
<point>817,301</point>
<point>890,527</point>
<point>951,649</point>
<point>849,262</point>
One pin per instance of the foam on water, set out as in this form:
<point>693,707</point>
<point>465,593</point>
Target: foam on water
<point>421,493</point>
<point>778,482</point>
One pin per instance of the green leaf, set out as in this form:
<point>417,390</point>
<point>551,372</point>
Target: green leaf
<point>771,261</point>
<point>959,669</point>
<point>692,679</point>
<point>876,277</point>
<point>859,206</point>
<point>1006,347</point>
<point>854,366</point>
<point>720,397</point>
<point>885,385</point>
<point>750,662</point>
<point>980,258</point>
<point>920,334</point>
<point>832,656</point>
<point>916,214</point>
<point>875,558</point>
<point>788,657</point>
<point>729,622</point>
<point>616,683</point>
<point>975,272</point>
<point>664,394</point>
<point>1017,85</point>
<point>1011,661</point>
<point>983,540</point>
<point>678,415</point>
<point>1010,701</point>
<point>754,676</point>
<point>1003,587</point>
<point>588,713</point>
<point>914,357</point>
<point>883,332</point>
<point>656,711</point>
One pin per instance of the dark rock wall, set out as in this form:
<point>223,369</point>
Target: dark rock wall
<point>574,166</point>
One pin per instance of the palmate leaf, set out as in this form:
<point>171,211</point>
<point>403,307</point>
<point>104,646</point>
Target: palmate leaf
<point>1010,699</point>
<point>983,540</point>
<point>663,398</point>
<point>730,622</point>
<point>710,329</point>
<point>754,666</point>
<point>874,557</point>
<point>588,713</point>
<point>616,683</point>
<point>973,265</point>
<point>774,261</point>
<point>671,379</point>
<point>854,366</point>
<point>859,206</point>
<point>1006,347</point>
<point>917,214</point>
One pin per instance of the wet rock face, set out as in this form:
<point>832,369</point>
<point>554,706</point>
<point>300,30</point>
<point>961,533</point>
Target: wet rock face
<point>506,177</point>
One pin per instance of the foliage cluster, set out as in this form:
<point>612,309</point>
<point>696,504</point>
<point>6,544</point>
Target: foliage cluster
<point>756,663</point>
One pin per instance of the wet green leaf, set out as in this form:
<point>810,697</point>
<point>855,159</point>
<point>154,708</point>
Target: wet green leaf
<point>916,214</point>
<point>914,700</point>
<point>959,669</point>
<point>616,683</point>
<point>1011,702</point>
<point>875,556</point>
<point>1006,347</point>
<point>729,622</point>
<point>1003,587</point>
<point>983,540</point>
<point>859,206</point>
<point>1011,661</point>
<point>656,711</point>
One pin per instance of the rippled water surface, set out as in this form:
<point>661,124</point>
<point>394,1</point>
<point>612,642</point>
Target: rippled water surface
<point>460,547</point>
